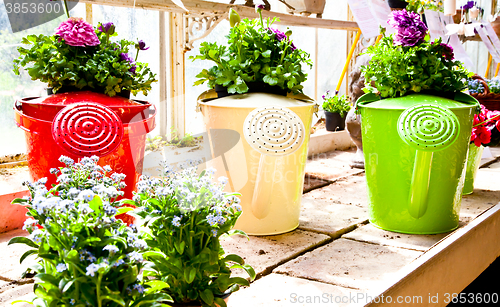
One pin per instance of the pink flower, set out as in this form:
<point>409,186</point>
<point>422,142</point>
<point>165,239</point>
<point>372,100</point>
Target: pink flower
<point>77,32</point>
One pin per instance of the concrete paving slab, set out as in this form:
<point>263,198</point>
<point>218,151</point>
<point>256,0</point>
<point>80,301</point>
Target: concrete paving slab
<point>15,293</point>
<point>311,183</point>
<point>476,203</point>
<point>331,165</point>
<point>326,216</point>
<point>10,269</point>
<point>348,191</point>
<point>371,234</point>
<point>266,252</point>
<point>281,290</point>
<point>488,179</point>
<point>351,264</point>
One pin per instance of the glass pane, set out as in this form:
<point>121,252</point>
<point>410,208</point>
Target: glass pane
<point>13,87</point>
<point>134,25</point>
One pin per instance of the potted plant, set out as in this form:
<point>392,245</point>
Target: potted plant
<point>416,129</point>
<point>257,58</point>
<point>85,68</point>
<point>336,108</point>
<point>86,256</point>
<point>485,123</point>
<point>80,57</point>
<point>186,215</point>
<point>260,72</point>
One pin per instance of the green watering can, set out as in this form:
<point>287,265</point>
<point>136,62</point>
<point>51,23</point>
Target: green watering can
<point>415,150</point>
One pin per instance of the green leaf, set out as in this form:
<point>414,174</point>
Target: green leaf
<point>234,258</point>
<point>27,253</point>
<point>207,296</point>
<point>19,201</point>
<point>189,275</point>
<point>122,210</point>
<point>155,286</point>
<point>96,204</point>
<point>220,302</point>
<point>23,240</point>
<point>47,278</point>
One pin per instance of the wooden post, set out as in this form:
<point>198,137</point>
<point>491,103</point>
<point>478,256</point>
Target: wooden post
<point>176,80</point>
<point>88,13</point>
<point>162,116</point>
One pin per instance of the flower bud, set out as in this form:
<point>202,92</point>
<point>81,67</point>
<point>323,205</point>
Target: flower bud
<point>234,18</point>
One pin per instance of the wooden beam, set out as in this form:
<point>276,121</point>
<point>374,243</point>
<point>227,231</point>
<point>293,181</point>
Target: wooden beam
<point>199,7</point>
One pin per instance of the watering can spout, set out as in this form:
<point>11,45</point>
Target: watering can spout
<point>427,128</point>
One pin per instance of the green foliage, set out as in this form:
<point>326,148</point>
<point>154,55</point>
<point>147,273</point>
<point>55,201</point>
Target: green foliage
<point>255,53</point>
<point>418,6</point>
<point>99,68</point>
<point>86,257</point>
<point>336,104</point>
<point>396,70</point>
<point>187,214</point>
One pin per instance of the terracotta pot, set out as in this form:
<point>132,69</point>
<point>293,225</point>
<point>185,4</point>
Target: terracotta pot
<point>496,26</point>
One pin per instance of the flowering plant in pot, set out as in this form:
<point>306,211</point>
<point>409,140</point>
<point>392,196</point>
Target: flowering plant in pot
<point>86,256</point>
<point>257,57</point>
<point>79,56</point>
<point>186,215</point>
<point>484,133</point>
<point>408,61</point>
<point>336,108</point>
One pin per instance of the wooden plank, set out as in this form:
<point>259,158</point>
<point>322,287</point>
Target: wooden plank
<point>199,7</point>
<point>449,266</point>
<point>177,71</point>
<point>162,77</point>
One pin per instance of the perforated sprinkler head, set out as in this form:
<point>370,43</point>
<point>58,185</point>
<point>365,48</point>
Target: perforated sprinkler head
<point>274,130</point>
<point>428,127</point>
<point>86,129</point>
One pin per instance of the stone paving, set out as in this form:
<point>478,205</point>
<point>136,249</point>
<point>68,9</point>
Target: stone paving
<point>334,258</point>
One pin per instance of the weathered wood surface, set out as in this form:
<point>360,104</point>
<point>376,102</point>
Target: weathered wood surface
<point>199,7</point>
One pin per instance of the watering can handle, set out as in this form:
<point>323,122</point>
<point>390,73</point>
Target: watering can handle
<point>427,128</point>
<point>261,199</point>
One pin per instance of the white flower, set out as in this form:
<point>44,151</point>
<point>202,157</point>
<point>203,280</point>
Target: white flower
<point>135,256</point>
<point>92,269</point>
<point>66,160</point>
<point>223,180</point>
<point>61,267</point>
<point>107,168</point>
<point>86,195</point>
<point>37,235</point>
<point>176,221</point>
<point>29,223</point>
<point>140,244</point>
<point>112,249</point>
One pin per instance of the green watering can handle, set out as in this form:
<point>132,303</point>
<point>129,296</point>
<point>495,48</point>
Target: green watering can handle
<point>427,128</point>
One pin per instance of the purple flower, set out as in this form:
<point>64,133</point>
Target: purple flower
<point>410,29</point>
<point>108,28</point>
<point>77,32</point>
<point>141,45</point>
<point>280,36</point>
<point>468,5</point>
<point>446,50</point>
<point>128,58</point>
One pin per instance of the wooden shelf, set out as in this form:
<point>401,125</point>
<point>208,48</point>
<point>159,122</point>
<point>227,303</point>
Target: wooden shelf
<point>199,7</point>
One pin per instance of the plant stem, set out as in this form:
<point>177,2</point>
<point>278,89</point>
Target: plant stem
<point>98,288</point>
<point>487,120</point>
<point>66,8</point>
